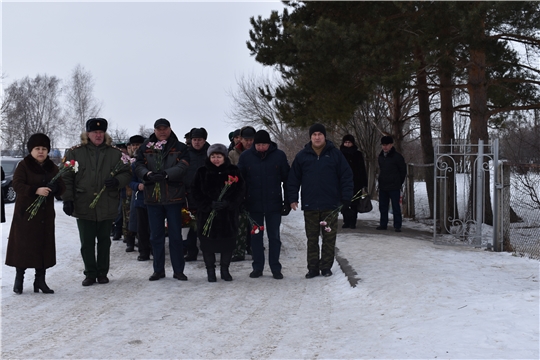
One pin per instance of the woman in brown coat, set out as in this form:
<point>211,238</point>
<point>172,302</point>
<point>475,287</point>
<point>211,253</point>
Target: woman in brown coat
<point>31,243</point>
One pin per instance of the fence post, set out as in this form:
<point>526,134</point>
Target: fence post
<point>505,208</point>
<point>409,193</point>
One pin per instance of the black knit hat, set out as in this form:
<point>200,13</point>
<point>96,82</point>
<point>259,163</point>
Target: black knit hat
<point>348,137</point>
<point>262,137</point>
<point>247,132</point>
<point>38,139</point>
<point>217,148</point>
<point>385,140</point>
<point>136,139</point>
<point>317,128</point>
<point>96,124</point>
<point>198,133</point>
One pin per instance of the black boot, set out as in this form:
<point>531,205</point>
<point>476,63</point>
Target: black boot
<point>39,282</point>
<point>210,263</point>
<point>211,274</point>
<point>19,278</point>
<point>225,274</point>
<point>224,262</point>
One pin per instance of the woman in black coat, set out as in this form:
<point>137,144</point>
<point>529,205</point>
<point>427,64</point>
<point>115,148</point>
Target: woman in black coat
<point>207,185</point>
<point>31,243</point>
<point>356,162</point>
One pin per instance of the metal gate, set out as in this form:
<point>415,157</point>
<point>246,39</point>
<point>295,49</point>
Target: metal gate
<point>462,172</point>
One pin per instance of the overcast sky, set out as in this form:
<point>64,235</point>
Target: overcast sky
<point>175,60</point>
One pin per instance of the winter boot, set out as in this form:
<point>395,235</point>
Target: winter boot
<point>225,274</point>
<point>211,274</point>
<point>19,278</point>
<point>39,282</point>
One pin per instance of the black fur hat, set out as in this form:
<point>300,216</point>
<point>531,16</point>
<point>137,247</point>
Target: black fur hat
<point>95,124</point>
<point>348,137</point>
<point>38,139</point>
<point>385,140</point>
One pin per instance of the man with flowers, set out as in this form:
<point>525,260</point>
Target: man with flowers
<point>326,179</point>
<point>265,169</point>
<point>91,196</point>
<point>162,162</point>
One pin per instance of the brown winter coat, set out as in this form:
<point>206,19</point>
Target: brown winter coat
<point>31,244</point>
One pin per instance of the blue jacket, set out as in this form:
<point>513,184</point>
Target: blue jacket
<point>264,174</point>
<point>137,196</point>
<point>326,179</point>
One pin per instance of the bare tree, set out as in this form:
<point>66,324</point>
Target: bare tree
<point>144,131</point>
<point>252,107</point>
<point>31,106</point>
<point>81,104</point>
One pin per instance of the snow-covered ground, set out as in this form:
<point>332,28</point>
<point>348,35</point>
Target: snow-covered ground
<point>413,300</point>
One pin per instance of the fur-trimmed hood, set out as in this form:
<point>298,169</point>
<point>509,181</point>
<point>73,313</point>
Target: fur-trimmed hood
<point>85,140</point>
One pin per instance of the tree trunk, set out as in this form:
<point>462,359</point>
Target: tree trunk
<point>447,136</point>
<point>477,86</point>
<point>425,127</point>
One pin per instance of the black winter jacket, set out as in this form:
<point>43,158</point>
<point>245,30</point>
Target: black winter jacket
<point>175,163</point>
<point>207,185</point>
<point>392,170</point>
<point>326,180</point>
<point>264,174</point>
<point>197,159</point>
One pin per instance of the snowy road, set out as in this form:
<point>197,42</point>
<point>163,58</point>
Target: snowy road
<point>406,306</point>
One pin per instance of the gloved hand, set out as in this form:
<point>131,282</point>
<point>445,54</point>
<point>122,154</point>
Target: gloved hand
<point>157,176</point>
<point>285,209</point>
<point>346,209</point>
<point>219,205</point>
<point>112,182</point>
<point>69,206</point>
<point>53,187</point>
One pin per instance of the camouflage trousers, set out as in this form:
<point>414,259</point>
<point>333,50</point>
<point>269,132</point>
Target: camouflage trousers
<point>241,237</point>
<point>129,236</point>
<point>317,259</point>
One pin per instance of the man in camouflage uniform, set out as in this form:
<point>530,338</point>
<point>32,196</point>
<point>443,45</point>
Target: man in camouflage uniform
<point>327,182</point>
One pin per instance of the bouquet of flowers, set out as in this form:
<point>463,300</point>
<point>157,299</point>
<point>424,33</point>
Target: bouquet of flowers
<point>208,224</point>
<point>125,159</point>
<point>67,166</point>
<point>158,150</point>
<point>330,217</point>
<point>255,228</point>
<point>188,220</point>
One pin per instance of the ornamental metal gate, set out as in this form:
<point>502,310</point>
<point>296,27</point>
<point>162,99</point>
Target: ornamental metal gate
<point>463,171</point>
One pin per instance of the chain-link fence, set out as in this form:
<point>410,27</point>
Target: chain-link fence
<point>524,232</point>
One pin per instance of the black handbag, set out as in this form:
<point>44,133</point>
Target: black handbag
<point>364,204</point>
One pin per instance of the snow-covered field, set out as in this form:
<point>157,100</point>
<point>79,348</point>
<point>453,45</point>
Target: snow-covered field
<point>413,300</point>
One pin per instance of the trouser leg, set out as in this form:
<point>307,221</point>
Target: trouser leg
<point>273,222</point>
<point>384,198</point>
<point>156,219</point>
<point>143,231</point>
<point>87,235</point>
<point>257,247</point>
<point>176,252</point>
<point>313,230</point>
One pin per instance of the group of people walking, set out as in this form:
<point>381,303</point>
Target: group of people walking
<point>235,194</point>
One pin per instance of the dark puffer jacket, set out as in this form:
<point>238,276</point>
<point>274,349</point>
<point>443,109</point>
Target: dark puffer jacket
<point>31,244</point>
<point>264,174</point>
<point>175,162</point>
<point>326,180</point>
<point>392,170</point>
<point>207,185</point>
<point>197,159</point>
